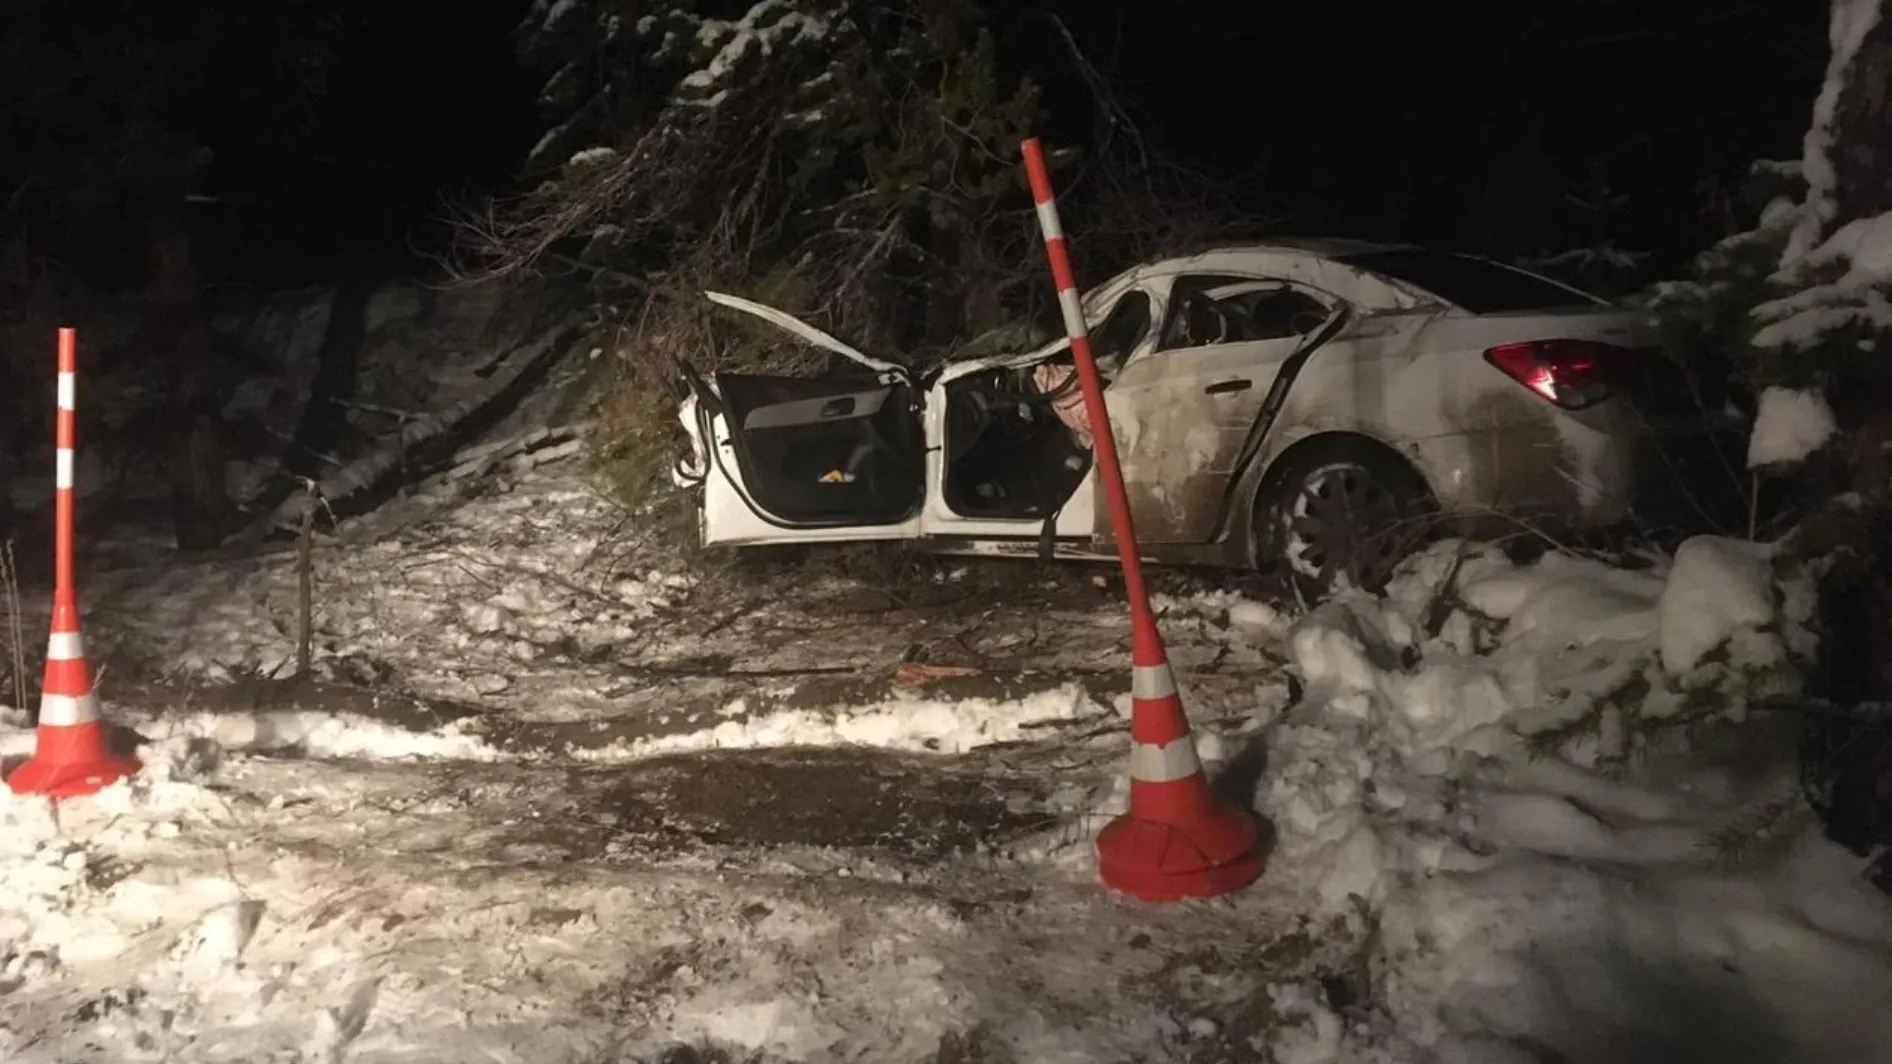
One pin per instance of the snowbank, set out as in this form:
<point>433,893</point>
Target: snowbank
<point>905,722</point>
<point>1789,426</point>
<point>1560,846</point>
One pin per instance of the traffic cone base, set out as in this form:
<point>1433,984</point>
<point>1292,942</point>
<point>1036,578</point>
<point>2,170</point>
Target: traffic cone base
<point>1216,851</point>
<point>72,762</point>
<point>1176,841</point>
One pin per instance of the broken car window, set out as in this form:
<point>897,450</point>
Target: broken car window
<point>1209,310</point>
<point>1123,330</point>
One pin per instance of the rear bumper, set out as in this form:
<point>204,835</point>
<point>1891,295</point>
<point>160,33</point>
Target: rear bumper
<point>1599,470</point>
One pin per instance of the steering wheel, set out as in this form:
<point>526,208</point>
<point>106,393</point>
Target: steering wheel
<point>1306,320</point>
<point>967,422</point>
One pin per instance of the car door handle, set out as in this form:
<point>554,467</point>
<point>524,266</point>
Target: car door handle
<point>841,407</point>
<point>1239,384</point>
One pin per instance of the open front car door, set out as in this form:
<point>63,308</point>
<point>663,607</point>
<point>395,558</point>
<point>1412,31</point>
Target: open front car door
<point>834,459</point>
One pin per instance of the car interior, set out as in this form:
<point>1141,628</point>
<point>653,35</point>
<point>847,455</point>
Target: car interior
<point>1008,453</point>
<point>816,452</point>
<point>1234,310</point>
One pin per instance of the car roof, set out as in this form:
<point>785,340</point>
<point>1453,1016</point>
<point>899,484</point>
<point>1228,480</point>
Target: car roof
<point>1292,247</point>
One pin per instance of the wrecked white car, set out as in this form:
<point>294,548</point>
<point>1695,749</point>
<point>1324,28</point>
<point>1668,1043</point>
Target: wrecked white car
<point>1306,402</point>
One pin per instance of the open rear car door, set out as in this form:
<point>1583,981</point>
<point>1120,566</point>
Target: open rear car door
<point>833,459</point>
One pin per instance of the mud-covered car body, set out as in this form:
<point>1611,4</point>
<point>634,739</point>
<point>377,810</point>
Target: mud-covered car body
<point>1238,379</point>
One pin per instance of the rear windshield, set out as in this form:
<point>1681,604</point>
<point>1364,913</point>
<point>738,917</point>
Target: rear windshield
<point>1478,285</point>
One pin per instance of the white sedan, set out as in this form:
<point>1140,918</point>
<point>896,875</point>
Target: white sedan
<point>1316,403</point>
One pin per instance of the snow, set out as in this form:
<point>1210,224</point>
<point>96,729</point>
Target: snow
<point>557,13</point>
<point>904,723</point>
<point>1522,899</point>
<point>317,734</point>
<point>1864,244</point>
<point>550,137</point>
<point>247,907</point>
<point>766,27</point>
<point>1494,796</point>
<point>1838,284</point>
<point>1717,588</point>
<point>590,157</point>
<point>1789,426</point>
<point>1835,280</point>
<point>1851,21</point>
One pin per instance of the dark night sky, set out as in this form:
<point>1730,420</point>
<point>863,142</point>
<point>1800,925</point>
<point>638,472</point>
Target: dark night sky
<point>426,100</point>
<point>1370,119</point>
<point>1386,119</point>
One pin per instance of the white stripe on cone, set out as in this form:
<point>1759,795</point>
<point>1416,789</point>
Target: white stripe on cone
<point>62,469</point>
<point>68,390</point>
<point>1166,763</point>
<point>1151,682</point>
<point>65,711</point>
<point>1048,220</point>
<point>65,646</point>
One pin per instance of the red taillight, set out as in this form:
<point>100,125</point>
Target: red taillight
<point>1570,373</point>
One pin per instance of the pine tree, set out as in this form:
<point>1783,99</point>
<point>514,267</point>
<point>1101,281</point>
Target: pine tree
<point>1825,329</point>
<point>841,157</point>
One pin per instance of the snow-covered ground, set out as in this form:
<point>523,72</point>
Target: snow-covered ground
<point>603,810</point>
<point>1567,833</point>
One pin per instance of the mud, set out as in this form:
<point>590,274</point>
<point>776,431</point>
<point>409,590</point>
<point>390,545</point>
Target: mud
<point>1518,459</point>
<point>859,800</point>
<point>396,707</point>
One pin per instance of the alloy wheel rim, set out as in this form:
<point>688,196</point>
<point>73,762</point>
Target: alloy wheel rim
<point>1340,527</point>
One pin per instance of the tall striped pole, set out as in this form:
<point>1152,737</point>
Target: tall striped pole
<point>1175,841</point>
<point>73,755</point>
<point>65,445</point>
<point>1147,646</point>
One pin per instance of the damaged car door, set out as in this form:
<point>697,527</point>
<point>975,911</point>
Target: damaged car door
<point>781,459</point>
<point>1184,411</point>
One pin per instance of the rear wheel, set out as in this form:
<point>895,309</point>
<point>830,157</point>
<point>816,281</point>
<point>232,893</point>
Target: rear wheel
<point>1342,514</point>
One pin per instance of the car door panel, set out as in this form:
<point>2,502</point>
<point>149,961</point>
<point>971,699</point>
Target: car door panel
<point>805,332</point>
<point>818,409</point>
<point>787,459</point>
<point>821,452</point>
<point>1180,436</point>
<point>1187,415</point>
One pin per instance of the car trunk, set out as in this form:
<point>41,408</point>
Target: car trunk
<point>1668,393</point>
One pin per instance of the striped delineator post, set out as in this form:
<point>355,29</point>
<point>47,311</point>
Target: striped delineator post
<point>1176,841</point>
<point>73,754</point>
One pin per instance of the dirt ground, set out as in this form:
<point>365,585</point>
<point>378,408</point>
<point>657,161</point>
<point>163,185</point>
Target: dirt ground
<point>818,634</point>
<point>1005,630</point>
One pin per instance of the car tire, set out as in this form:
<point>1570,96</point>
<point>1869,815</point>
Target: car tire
<point>1341,513</point>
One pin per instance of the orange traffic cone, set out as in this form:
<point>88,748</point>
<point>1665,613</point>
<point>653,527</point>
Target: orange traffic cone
<point>72,755</point>
<point>1176,841</point>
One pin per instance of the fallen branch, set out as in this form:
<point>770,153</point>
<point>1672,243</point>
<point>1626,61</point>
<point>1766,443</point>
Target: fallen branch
<point>371,469</point>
